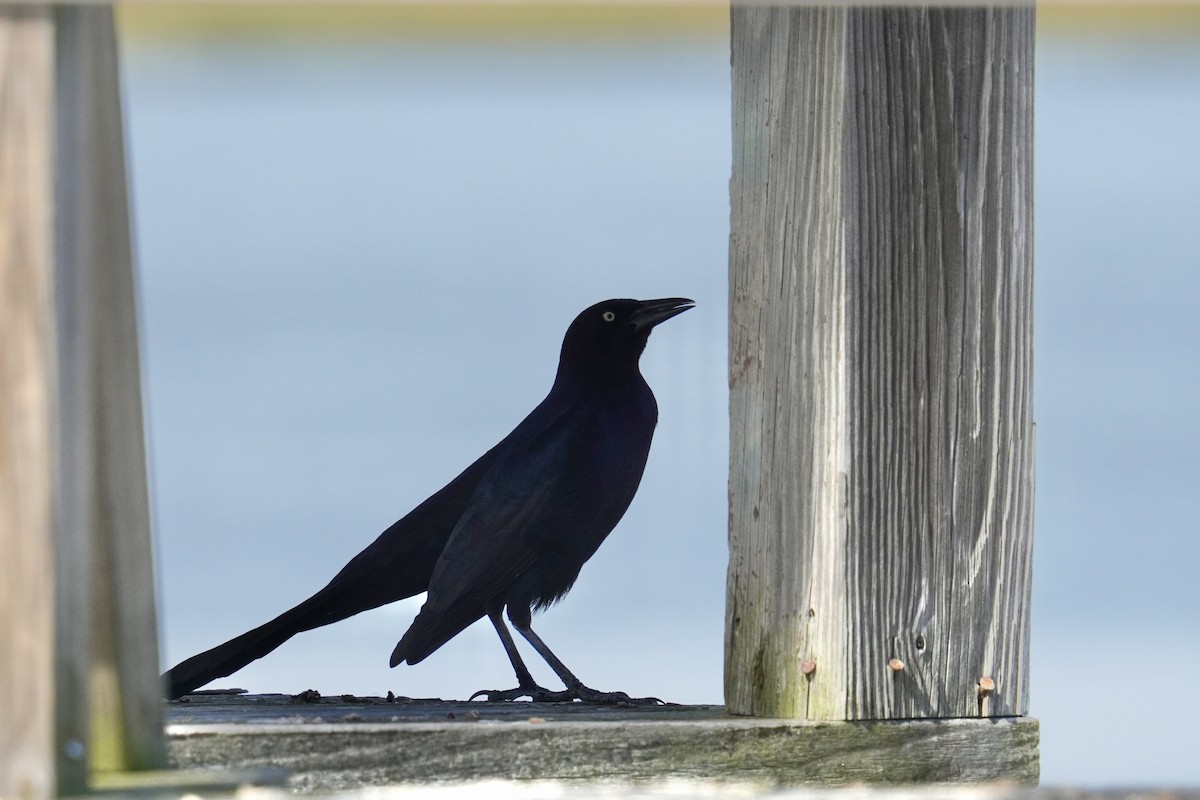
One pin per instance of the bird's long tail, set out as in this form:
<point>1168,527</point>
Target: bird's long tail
<point>323,608</point>
<point>397,565</point>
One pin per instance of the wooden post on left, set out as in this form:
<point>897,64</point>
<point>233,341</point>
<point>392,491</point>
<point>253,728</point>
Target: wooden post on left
<point>79,689</point>
<point>27,379</point>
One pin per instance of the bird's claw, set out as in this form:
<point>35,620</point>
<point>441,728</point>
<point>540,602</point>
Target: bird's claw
<point>535,693</point>
<point>581,693</point>
<point>588,695</point>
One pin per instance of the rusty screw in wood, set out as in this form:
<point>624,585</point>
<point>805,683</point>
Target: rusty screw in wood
<point>808,666</point>
<point>986,686</point>
<point>896,664</point>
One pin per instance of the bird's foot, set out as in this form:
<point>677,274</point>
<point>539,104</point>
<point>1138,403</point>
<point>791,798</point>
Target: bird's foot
<point>580,693</point>
<point>588,695</point>
<point>535,693</point>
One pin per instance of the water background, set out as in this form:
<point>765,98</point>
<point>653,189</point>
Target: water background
<point>357,261</point>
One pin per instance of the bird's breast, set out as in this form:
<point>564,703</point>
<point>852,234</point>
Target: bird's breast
<point>593,487</point>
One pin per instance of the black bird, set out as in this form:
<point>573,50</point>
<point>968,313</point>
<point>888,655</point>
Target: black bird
<point>513,530</point>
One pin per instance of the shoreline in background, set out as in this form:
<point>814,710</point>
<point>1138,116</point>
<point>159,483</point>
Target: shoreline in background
<point>567,21</point>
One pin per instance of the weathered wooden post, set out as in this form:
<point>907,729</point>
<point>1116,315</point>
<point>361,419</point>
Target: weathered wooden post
<point>26,416</point>
<point>882,443</point>
<point>78,644</point>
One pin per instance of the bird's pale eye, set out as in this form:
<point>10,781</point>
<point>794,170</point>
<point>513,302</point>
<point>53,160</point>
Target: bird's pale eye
<point>608,316</point>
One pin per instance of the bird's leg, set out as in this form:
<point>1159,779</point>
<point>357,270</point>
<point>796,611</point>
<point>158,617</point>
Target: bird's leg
<point>575,688</point>
<point>526,685</point>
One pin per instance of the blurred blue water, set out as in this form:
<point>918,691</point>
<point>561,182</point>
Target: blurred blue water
<point>357,264</point>
<point>1116,601</point>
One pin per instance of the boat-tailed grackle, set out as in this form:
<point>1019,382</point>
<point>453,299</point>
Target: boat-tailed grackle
<point>512,531</point>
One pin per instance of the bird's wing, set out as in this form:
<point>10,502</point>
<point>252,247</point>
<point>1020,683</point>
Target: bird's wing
<point>513,509</point>
<point>520,502</point>
<point>401,560</point>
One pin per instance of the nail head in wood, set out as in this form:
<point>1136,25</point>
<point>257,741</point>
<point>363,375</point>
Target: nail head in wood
<point>808,666</point>
<point>896,664</point>
<point>986,685</point>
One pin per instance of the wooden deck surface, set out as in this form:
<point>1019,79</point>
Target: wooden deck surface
<point>342,743</point>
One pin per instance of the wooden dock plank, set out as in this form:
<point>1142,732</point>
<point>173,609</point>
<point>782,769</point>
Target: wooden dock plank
<point>335,746</point>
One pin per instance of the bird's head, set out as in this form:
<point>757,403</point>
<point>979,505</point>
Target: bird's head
<point>610,336</point>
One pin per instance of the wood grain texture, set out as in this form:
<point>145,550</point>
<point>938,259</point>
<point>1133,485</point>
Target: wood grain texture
<point>893,430</point>
<point>785,600</point>
<point>107,456</point>
<point>26,388</point>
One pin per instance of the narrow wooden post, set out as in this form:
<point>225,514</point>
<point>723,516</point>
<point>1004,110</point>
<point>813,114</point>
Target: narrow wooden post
<point>95,252</point>
<point>78,642</point>
<point>881,478</point>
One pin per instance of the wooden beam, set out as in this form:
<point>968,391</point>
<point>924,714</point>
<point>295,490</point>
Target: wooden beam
<point>27,371</point>
<point>881,477</point>
<point>335,745</point>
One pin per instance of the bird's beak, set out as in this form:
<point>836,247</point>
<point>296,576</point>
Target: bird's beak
<point>652,312</point>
